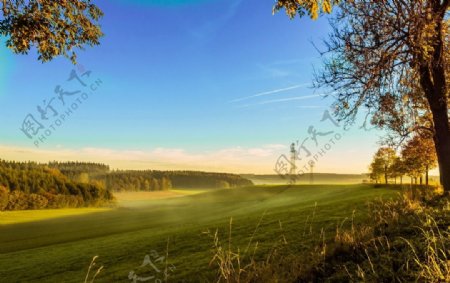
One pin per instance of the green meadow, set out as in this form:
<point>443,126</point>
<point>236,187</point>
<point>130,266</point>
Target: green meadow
<point>58,245</point>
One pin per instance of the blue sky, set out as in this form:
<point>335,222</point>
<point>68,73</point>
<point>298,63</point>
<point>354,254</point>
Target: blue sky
<point>208,85</point>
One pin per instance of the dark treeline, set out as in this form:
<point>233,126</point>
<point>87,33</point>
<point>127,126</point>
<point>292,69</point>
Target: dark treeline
<point>74,166</point>
<point>147,180</point>
<point>28,185</point>
<point>121,181</point>
<point>150,180</point>
<point>194,179</point>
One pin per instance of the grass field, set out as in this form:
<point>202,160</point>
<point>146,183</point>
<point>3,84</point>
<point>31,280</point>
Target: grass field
<point>307,179</point>
<point>58,245</point>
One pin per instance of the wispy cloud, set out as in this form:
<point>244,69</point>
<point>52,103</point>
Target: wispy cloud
<point>270,92</point>
<point>290,99</point>
<point>290,61</point>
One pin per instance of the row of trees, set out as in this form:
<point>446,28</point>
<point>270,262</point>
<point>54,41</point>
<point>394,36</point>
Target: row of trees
<point>150,180</point>
<point>417,157</point>
<point>193,179</point>
<point>74,167</point>
<point>146,180</point>
<point>119,181</point>
<point>28,185</point>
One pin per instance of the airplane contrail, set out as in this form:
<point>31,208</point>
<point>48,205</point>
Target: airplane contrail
<point>290,99</point>
<point>269,92</point>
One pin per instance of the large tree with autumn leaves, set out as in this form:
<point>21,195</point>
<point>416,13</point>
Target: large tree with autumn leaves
<point>419,157</point>
<point>385,53</point>
<point>54,28</point>
<point>382,163</point>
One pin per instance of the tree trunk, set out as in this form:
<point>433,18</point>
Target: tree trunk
<point>426,175</point>
<point>433,82</point>
<point>421,179</point>
<point>442,138</point>
<point>385,174</point>
<point>401,180</point>
<point>442,141</point>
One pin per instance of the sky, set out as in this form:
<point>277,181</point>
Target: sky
<point>213,85</point>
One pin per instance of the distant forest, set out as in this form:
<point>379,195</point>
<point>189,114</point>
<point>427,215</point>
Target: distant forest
<point>146,180</point>
<point>29,185</point>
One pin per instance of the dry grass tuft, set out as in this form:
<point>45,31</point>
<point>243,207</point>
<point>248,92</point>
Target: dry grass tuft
<point>92,265</point>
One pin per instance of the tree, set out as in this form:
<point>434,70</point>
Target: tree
<point>383,161</point>
<point>83,178</point>
<point>428,155</point>
<point>376,169</point>
<point>411,159</point>
<point>388,49</point>
<point>398,169</point>
<point>419,156</point>
<point>166,184</point>
<point>17,201</point>
<point>36,201</point>
<point>155,185</point>
<point>53,27</point>
<point>4,197</point>
<point>146,185</point>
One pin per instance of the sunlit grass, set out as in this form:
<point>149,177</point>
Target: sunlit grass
<point>191,191</point>
<point>139,199</point>
<point>126,199</point>
<point>23,216</point>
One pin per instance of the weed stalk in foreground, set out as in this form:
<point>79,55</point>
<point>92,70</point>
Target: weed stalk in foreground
<point>89,271</point>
